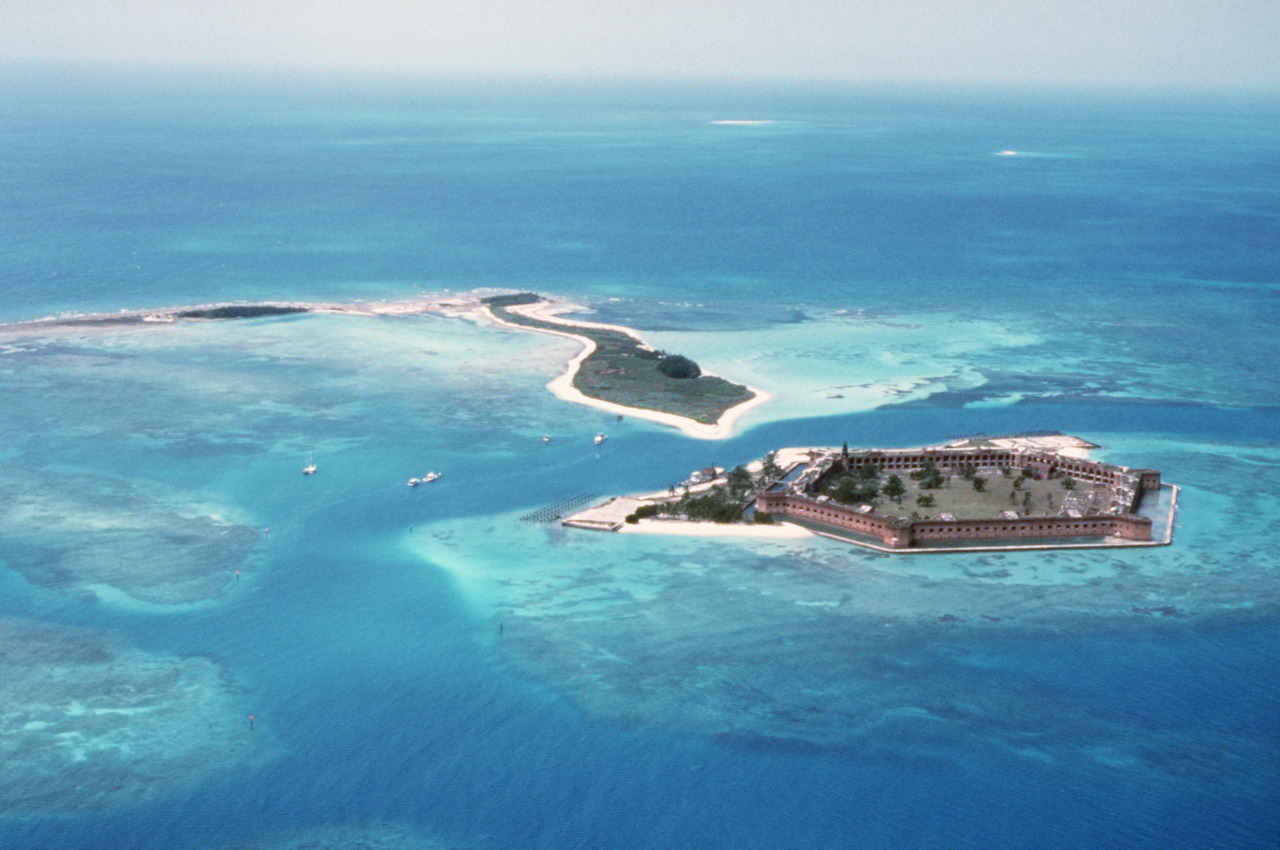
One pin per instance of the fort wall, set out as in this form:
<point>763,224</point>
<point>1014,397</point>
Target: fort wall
<point>900,534</point>
<point>1118,519</point>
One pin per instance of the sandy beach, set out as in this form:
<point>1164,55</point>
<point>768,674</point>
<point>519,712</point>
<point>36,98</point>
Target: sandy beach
<point>777,531</point>
<point>611,515</point>
<point>562,387</point>
<point>1063,444</point>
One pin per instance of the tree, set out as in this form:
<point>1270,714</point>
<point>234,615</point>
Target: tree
<point>980,484</point>
<point>928,475</point>
<point>739,480</point>
<point>925,501</point>
<point>713,505</point>
<point>770,470</point>
<point>895,489</point>
<point>678,366</point>
<point>641,512</point>
<point>967,471</point>
<point>1068,483</point>
<point>925,468</point>
<point>850,491</point>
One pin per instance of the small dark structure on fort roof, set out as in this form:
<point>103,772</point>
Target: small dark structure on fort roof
<point>1099,501</point>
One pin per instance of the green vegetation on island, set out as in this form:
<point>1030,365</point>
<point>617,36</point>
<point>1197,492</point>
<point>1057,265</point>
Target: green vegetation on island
<point>624,371</point>
<point>239,311</point>
<point>723,502</point>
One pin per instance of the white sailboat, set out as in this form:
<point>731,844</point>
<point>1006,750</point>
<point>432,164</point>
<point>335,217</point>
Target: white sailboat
<point>310,468</point>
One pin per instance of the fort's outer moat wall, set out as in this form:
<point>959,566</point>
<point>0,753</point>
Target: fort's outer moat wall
<point>1126,486</point>
<point>899,535</point>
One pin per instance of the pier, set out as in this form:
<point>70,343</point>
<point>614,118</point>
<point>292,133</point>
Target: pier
<point>560,509</point>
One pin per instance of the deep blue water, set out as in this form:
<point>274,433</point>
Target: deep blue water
<point>1135,237</point>
<point>119,193</point>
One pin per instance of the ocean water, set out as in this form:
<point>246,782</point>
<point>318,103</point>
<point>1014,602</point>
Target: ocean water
<point>425,667</point>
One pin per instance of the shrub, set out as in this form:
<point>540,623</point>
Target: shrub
<point>515,300</point>
<point>678,366</point>
<point>240,311</point>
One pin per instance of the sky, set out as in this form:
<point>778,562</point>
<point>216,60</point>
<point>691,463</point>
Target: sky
<point>1175,44</point>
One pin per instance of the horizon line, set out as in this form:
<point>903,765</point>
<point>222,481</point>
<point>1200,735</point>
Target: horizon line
<point>214,73</point>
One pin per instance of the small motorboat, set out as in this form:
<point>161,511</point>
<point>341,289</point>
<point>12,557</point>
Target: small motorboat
<point>414,482</point>
<point>600,438</point>
<point>430,476</point>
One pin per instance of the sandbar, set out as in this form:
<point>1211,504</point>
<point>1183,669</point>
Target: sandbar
<point>448,305</point>
<point>689,528</point>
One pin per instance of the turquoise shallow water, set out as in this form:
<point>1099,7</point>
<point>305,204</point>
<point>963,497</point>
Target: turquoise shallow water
<point>423,666</point>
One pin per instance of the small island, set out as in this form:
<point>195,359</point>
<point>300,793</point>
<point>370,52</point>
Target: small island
<point>622,373</point>
<point>1012,492</point>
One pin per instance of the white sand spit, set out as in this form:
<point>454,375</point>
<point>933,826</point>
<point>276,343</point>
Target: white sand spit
<point>562,387</point>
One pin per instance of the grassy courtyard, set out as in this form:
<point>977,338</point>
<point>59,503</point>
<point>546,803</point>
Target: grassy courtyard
<point>957,496</point>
